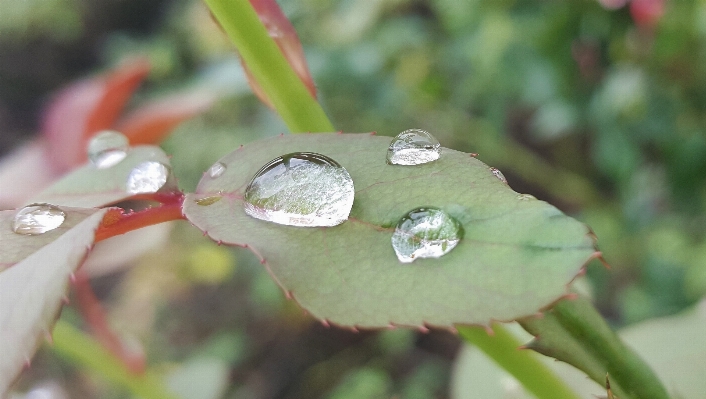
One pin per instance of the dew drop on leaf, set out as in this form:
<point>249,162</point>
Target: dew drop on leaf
<point>413,147</point>
<point>208,200</point>
<point>107,148</point>
<point>525,197</point>
<point>38,219</point>
<point>147,177</point>
<point>425,232</point>
<point>301,189</point>
<point>498,174</point>
<point>216,170</point>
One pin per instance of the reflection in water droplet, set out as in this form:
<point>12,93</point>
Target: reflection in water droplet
<point>216,170</point>
<point>498,174</point>
<point>206,201</point>
<point>38,219</point>
<point>425,232</point>
<point>413,147</point>
<point>301,189</point>
<point>147,177</point>
<point>107,148</point>
<point>525,197</point>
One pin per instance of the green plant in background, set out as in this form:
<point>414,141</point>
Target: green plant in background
<point>517,254</point>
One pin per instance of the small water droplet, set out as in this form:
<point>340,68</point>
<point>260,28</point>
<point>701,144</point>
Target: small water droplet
<point>425,232</point>
<point>217,169</point>
<point>38,219</point>
<point>206,201</point>
<point>147,177</point>
<point>525,197</point>
<point>413,147</point>
<point>498,174</point>
<point>107,148</point>
<point>301,189</point>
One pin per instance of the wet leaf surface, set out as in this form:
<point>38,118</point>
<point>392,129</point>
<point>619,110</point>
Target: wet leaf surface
<point>89,187</point>
<point>31,291</point>
<point>516,256</point>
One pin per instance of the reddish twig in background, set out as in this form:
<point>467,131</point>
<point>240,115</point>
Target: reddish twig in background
<point>95,316</point>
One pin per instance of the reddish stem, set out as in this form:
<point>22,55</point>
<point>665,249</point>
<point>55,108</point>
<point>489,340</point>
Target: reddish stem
<point>118,222</point>
<point>95,317</point>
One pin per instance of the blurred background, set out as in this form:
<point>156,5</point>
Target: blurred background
<point>598,107</point>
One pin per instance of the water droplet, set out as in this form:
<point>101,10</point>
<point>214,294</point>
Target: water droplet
<point>425,232</point>
<point>525,197</point>
<point>413,147</point>
<point>147,177</point>
<point>217,169</point>
<point>206,201</point>
<point>498,174</point>
<point>107,148</point>
<point>301,189</point>
<point>38,219</point>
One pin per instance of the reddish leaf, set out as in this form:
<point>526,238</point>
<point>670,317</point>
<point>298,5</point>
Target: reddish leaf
<point>283,33</point>
<point>153,121</point>
<point>647,13</point>
<point>86,107</point>
<point>24,174</point>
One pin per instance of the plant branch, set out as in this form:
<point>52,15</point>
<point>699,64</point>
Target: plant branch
<point>290,97</point>
<point>95,316</point>
<point>77,347</point>
<point>525,366</point>
<point>117,222</point>
<point>574,332</point>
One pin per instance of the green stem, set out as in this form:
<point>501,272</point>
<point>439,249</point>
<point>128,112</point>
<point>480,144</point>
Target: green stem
<point>295,105</point>
<point>78,347</point>
<point>524,365</point>
<point>624,366</point>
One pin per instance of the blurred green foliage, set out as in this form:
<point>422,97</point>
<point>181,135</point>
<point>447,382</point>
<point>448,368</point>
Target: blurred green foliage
<point>560,95</point>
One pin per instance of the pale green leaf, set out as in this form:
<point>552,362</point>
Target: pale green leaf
<point>516,257</point>
<point>31,291</point>
<point>91,187</point>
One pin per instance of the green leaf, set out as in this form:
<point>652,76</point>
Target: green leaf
<point>516,257</point>
<point>90,187</point>
<point>17,247</point>
<point>573,332</point>
<point>31,291</point>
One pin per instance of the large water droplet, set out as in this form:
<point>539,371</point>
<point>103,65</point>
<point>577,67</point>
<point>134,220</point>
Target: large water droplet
<point>147,177</point>
<point>498,174</point>
<point>301,189</point>
<point>107,148</point>
<point>425,232</point>
<point>38,219</point>
<point>216,170</point>
<point>413,147</point>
